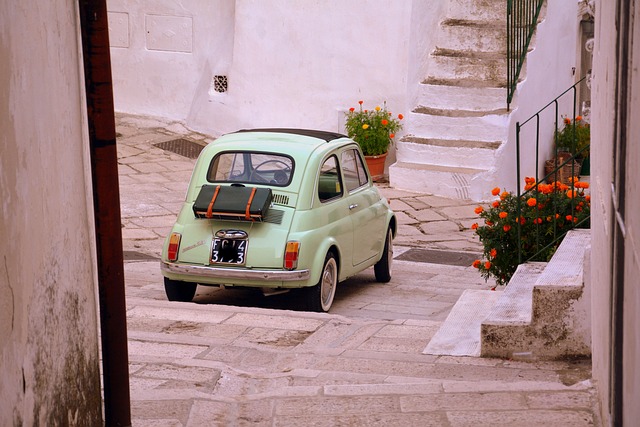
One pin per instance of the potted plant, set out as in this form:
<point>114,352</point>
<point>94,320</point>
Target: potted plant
<point>374,130</point>
<point>575,138</point>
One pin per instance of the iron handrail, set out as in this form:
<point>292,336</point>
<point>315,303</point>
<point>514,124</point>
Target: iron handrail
<point>522,18</point>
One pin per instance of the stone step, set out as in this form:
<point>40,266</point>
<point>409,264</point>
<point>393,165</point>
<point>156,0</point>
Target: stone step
<point>459,334</point>
<point>462,98</point>
<point>452,65</point>
<point>477,10</point>
<point>445,181</point>
<point>442,152</point>
<point>472,36</point>
<point>543,312</point>
<point>490,128</point>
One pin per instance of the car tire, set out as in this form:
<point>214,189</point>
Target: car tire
<point>320,297</point>
<point>382,268</point>
<point>179,291</point>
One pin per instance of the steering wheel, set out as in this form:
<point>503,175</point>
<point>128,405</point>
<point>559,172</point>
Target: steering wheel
<point>287,170</point>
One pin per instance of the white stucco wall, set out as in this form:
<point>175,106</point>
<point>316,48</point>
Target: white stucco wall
<point>288,63</point>
<point>48,334</point>
<point>549,72</point>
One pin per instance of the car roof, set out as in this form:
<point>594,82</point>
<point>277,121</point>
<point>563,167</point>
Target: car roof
<point>320,134</point>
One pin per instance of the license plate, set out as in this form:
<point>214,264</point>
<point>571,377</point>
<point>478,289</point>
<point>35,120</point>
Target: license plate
<point>229,251</point>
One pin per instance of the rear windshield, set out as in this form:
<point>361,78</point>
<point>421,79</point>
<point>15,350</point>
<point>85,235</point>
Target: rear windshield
<point>250,167</point>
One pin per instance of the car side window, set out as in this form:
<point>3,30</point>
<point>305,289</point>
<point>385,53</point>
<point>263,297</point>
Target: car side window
<point>355,175</point>
<point>329,183</point>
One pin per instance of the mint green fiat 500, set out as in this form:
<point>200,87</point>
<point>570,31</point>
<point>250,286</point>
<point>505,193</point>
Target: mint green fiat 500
<point>279,209</point>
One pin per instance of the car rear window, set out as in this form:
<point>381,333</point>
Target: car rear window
<point>251,167</point>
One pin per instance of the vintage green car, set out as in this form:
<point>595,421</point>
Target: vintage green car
<point>279,209</point>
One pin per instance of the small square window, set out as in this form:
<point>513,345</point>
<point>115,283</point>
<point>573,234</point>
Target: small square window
<point>220,84</point>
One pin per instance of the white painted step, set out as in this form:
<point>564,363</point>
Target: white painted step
<point>451,155</point>
<point>482,10</point>
<point>457,65</point>
<point>462,98</point>
<point>490,128</point>
<point>452,182</point>
<point>473,36</point>
<point>459,335</point>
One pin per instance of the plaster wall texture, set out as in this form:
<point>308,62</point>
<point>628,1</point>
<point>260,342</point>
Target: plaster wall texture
<point>288,63</point>
<point>604,108</point>
<point>549,72</point>
<point>48,339</point>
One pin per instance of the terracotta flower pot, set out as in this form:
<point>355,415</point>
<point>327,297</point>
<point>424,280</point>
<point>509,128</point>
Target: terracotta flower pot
<point>376,165</point>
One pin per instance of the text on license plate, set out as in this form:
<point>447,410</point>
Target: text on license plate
<point>228,251</point>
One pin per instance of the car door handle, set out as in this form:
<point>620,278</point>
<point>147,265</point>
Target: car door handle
<point>353,206</point>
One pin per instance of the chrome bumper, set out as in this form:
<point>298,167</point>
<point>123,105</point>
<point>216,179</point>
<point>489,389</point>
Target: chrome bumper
<point>229,273</point>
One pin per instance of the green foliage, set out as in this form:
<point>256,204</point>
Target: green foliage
<point>574,137</point>
<point>546,211</point>
<point>373,129</point>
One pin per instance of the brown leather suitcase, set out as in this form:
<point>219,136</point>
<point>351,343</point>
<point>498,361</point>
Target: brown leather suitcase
<point>232,202</point>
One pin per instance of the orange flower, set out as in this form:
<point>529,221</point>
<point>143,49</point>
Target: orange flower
<point>528,187</point>
<point>523,221</point>
<point>392,135</point>
<point>503,215</point>
<point>474,226</point>
<point>495,191</point>
<point>569,218</point>
<point>503,195</point>
<point>495,204</point>
<point>573,179</point>
<point>531,202</point>
<point>587,198</point>
<point>384,122</point>
<point>476,263</point>
<point>578,118</point>
<point>571,194</point>
<point>360,102</point>
<point>479,210</point>
<point>537,221</point>
<point>352,109</point>
<point>581,184</point>
<point>493,253</point>
<point>529,180</point>
<point>400,116</point>
<point>489,223</point>
<point>567,121</point>
<point>487,265</point>
<point>506,228</point>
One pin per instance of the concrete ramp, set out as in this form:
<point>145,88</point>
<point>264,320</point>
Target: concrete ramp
<point>459,335</point>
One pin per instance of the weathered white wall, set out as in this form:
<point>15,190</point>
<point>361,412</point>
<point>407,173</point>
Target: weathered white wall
<point>549,72</point>
<point>48,333</point>
<point>604,108</point>
<point>288,63</point>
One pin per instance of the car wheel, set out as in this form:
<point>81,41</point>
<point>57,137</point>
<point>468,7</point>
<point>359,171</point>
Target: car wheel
<point>179,291</point>
<point>382,269</point>
<point>320,297</point>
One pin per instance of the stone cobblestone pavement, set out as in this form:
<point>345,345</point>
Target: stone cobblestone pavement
<point>234,358</point>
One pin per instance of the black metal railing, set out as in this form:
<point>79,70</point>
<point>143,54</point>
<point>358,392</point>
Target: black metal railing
<point>522,18</point>
<point>561,167</point>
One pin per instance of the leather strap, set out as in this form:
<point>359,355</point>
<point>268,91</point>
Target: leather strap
<point>209,213</point>
<point>247,212</point>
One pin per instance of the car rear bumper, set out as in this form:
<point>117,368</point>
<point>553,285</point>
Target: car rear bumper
<point>238,274</point>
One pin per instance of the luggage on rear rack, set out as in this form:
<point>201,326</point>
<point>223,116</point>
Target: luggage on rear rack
<point>232,202</point>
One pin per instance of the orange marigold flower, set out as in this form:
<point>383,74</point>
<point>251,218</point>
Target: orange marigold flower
<point>573,179</point>
<point>587,198</point>
<point>546,188</point>
<point>537,221</point>
<point>365,126</point>
<point>581,184</point>
<point>489,223</point>
<point>567,121</point>
<point>569,218</point>
<point>392,135</point>
<point>557,216</point>
<point>360,102</point>
<point>479,210</point>
<point>529,180</point>
<point>384,122</point>
<point>503,214</point>
<point>400,116</point>
<point>503,195</point>
<point>571,194</point>
<point>487,265</point>
<point>523,221</point>
<point>578,118</point>
<point>549,219</point>
<point>352,109</point>
<point>474,226</point>
<point>528,187</point>
<point>506,228</point>
<point>532,202</point>
<point>476,263</point>
<point>495,204</point>
<point>378,108</point>
<point>493,253</point>
<point>495,191</point>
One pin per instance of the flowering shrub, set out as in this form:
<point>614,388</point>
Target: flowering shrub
<point>372,129</point>
<point>574,137</point>
<point>546,211</point>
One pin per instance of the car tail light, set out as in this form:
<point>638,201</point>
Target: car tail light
<point>291,255</point>
<point>174,245</point>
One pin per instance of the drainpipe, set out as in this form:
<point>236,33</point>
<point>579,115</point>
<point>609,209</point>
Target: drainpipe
<point>106,203</point>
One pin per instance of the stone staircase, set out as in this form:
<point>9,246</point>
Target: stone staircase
<point>543,313</point>
<point>461,120</point>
